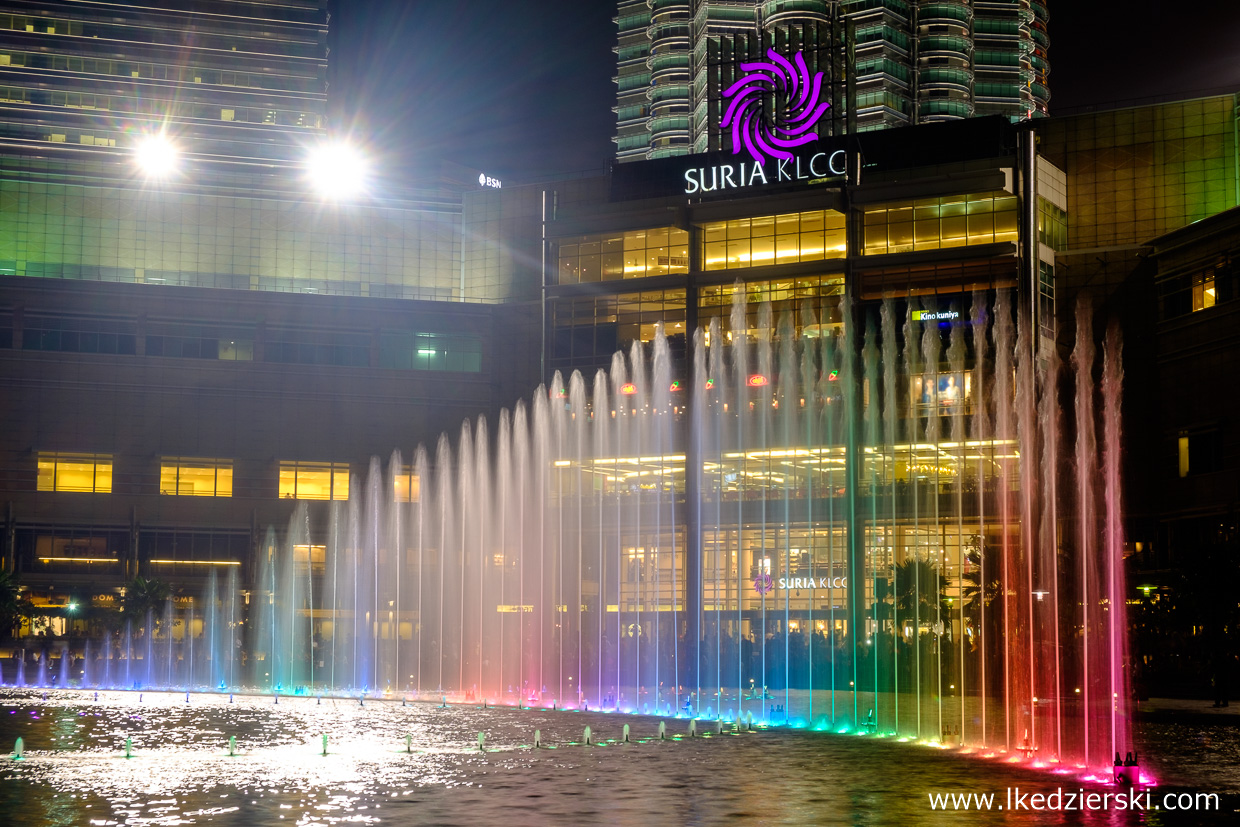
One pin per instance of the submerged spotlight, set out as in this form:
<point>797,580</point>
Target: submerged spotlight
<point>337,171</point>
<point>156,155</point>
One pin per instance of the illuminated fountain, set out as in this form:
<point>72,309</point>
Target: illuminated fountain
<point>890,526</point>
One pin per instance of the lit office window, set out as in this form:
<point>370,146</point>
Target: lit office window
<point>310,556</point>
<point>773,239</point>
<point>940,223</point>
<point>406,486</point>
<point>399,350</point>
<point>88,473</point>
<point>189,477</point>
<point>314,480</point>
<point>1203,290</point>
<point>628,255</point>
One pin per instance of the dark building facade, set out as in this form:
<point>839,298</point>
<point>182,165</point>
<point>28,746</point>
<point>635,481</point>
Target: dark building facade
<point>1179,309</point>
<point>235,81</point>
<point>161,432</point>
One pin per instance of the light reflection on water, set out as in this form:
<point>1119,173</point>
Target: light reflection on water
<point>75,771</point>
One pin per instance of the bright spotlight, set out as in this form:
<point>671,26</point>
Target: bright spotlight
<point>337,171</point>
<point>156,156</point>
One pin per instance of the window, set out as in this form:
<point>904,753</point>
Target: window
<point>597,327</point>
<point>947,393</point>
<point>1052,225</point>
<point>430,351</point>
<point>1199,453</point>
<point>630,255</point>
<point>314,480</point>
<point>940,223</point>
<point>310,557</point>
<point>1203,290</point>
<point>86,473</point>
<point>773,239</point>
<point>1046,299</point>
<point>406,486</point>
<point>55,553</point>
<point>190,342</point>
<point>305,347</point>
<point>72,335</point>
<point>1196,290</point>
<point>188,477</point>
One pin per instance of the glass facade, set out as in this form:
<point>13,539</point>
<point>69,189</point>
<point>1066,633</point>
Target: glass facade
<point>178,238</point>
<point>940,223</point>
<point>629,255</point>
<point>247,80</point>
<point>1136,174</point>
<point>773,239</point>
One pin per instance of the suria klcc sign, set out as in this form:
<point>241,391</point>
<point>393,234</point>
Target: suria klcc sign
<point>765,583</point>
<point>771,150</point>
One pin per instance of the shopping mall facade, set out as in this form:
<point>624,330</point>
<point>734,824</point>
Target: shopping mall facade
<point>254,383</point>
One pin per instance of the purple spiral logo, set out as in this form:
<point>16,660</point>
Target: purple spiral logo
<point>763,584</point>
<point>799,106</point>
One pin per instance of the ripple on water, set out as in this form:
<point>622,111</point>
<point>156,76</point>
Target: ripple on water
<point>75,772</point>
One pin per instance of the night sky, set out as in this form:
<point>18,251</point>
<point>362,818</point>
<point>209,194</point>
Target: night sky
<point>524,90</point>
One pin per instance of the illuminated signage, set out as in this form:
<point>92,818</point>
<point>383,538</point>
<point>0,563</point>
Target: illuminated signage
<point>799,104</point>
<point>933,316</point>
<point>816,169</point>
<point>485,180</point>
<point>797,98</point>
<point>813,582</point>
<point>765,584</point>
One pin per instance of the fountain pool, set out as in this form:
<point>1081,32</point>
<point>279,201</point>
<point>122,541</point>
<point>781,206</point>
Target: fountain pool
<point>418,763</point>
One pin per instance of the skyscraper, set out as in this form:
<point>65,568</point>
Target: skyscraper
<point>233,80</point>
<point>884,63</point>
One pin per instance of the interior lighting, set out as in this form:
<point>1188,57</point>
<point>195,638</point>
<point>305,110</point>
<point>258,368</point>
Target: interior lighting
<point>156,155</point>
<point>337,171</point>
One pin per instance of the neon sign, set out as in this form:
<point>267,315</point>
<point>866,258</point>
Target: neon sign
<point>813,582</point>
<point>932,316</point>
<point>797,100</point>
<point>819,167</point>
<point>765,584</point>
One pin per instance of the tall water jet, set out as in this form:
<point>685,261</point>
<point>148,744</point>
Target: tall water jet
<point>852,518</point>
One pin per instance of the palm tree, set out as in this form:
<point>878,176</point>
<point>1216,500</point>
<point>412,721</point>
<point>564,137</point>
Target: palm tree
<point>11,604</point>
<point>920,590</point>
<point>144,595</point>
